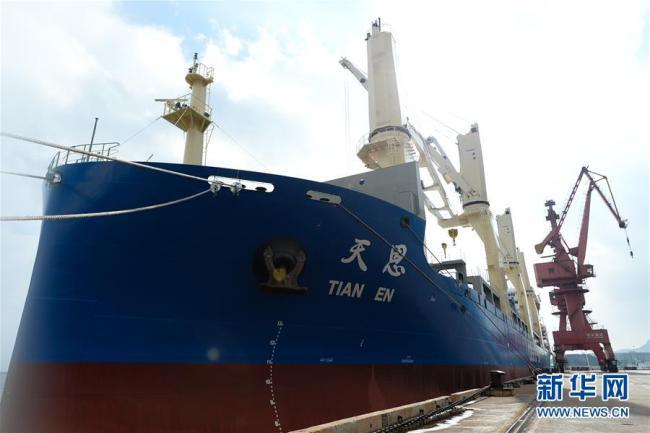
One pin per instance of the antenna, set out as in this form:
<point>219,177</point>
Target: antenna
<point>92,138</point>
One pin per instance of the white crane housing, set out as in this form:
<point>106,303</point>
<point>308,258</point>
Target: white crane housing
<point>392,141</point>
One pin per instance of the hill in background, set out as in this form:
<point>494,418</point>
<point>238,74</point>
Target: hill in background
<point>645,348</point>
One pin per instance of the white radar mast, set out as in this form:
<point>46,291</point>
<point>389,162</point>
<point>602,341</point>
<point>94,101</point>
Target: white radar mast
<point>193,118</point>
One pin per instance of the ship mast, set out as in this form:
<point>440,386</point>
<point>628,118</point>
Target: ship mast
<point>195,118</point>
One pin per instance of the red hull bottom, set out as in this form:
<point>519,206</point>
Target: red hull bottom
<point>135,398</point>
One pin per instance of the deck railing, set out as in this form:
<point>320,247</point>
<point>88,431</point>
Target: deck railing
<point>71,157</point>
<point>181,103</point>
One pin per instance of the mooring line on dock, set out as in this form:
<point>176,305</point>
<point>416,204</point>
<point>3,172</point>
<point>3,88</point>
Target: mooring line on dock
<point>426,418</point>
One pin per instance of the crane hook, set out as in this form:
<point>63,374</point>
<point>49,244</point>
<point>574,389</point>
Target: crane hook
<point>627,238</point>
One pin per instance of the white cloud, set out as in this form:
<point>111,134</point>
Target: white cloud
<point>61,66</point>
<point>553,85</point>
<point>294,76</point>
<point>232,44</point>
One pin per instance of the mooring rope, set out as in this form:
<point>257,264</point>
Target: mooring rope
<point>14,173</point>
<point>102,214</point>
<point>109,158</point>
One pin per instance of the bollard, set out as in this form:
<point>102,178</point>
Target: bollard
<point>496,378</point>
<point>498,387</point>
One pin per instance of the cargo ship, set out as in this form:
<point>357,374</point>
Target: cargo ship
<point>188,298</point>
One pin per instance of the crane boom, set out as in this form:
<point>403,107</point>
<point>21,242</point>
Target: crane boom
<point>358,74</point>
<point>581,250</point>
<point>593,184</point>
<point>611,206</point>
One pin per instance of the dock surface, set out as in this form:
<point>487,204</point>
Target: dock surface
<point>517,414</point>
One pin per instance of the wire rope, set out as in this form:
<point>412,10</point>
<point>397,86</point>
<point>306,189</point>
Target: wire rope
<point>102,214</point>
<point>109,158</point>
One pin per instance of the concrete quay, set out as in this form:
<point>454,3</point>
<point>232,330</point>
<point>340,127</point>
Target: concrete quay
<point>518,413</point>
<point>509,413</point>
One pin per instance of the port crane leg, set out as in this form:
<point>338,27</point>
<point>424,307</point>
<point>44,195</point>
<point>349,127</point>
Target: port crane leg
<point>600,355</point>
<point>563,321</point>
<point>605,355</point>
<point>610,358</point>
<point>560,360</point>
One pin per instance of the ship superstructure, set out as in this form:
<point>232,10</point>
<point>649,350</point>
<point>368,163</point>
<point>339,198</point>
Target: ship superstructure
<point>306,302</point>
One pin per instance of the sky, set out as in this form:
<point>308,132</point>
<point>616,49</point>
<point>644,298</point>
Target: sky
<point>553,85</point>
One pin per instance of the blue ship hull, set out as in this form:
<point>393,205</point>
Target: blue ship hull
<point>157,321</point>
